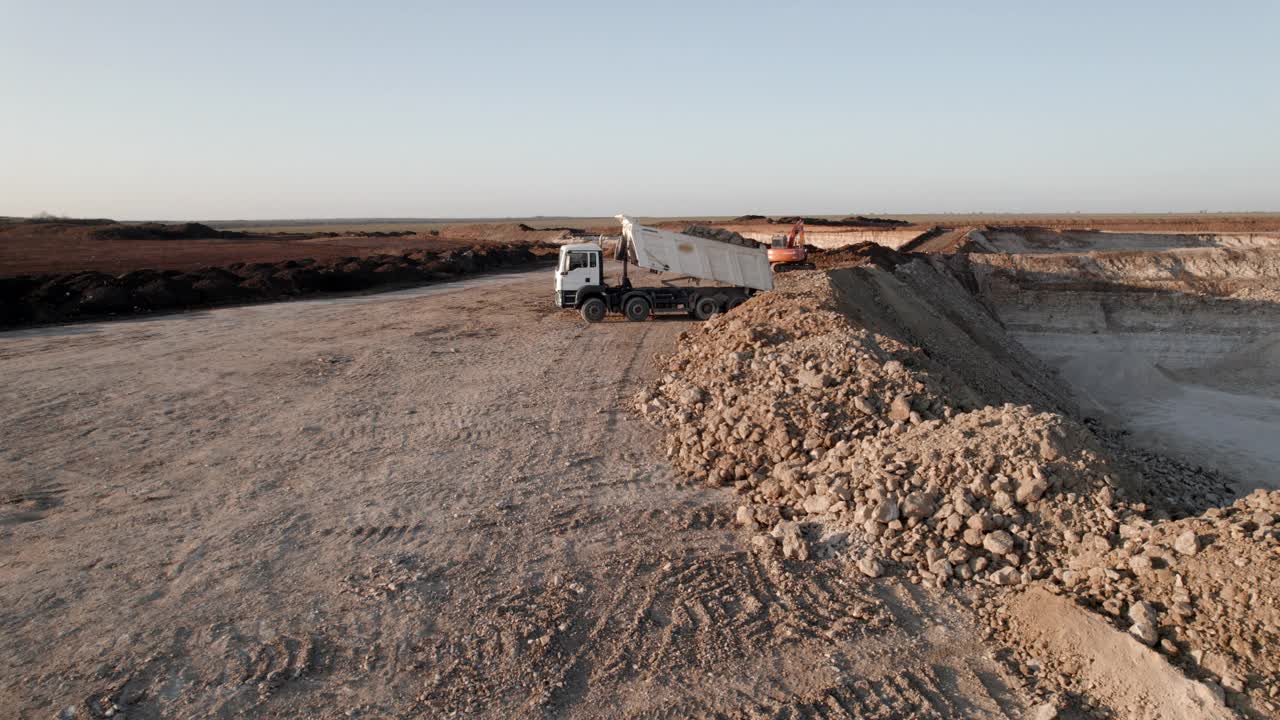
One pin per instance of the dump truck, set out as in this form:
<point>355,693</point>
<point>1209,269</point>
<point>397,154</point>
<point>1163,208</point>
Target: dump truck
<point>738,271</point>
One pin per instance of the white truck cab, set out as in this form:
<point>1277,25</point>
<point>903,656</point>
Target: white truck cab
<point>580,266</point>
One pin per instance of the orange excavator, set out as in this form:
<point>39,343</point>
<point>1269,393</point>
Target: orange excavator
<point>787,252</point>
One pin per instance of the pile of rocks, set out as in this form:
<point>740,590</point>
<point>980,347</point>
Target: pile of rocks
<point>1170,488</point>
<point>840,441</point>
<point>844,440</point>
<point>995,493</point>
<point>1202,589</point>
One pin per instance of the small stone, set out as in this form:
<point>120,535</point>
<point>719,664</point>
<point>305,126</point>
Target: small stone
<point>1140,564</point>
<point>745,516</point>
<point>870,566</point>
<point>861,405</point>
<point>1048,451</point>
<point>763,542</point>
<point>1006,576</point>
<point>1145,632</point>
<point>998,542</point>
<point>981,522</point>
<point>793,543</point>
<point>1142,612</point>
<point>917,505</point>
<point>1187,543</point>
<point>692,397</point>
<point>815,504</point>
<point>814,380</point>
<point>900,408</point>
<point>1031,489</point>
<point>1044,711</point>
<point>886,511</point>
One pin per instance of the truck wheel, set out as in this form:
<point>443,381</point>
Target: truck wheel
<point>736,302</point>
<point>636,309</point>
<point>705,308</point>
<point>593,310</point>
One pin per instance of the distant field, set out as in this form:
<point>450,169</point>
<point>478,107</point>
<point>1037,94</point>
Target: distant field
<point>1259,221</point>
<point>415,224</point>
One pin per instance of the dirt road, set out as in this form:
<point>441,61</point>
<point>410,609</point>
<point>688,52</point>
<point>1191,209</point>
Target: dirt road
<point>412,504</point>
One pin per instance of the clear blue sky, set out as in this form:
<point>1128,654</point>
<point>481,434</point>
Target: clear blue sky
<point>218,110</point>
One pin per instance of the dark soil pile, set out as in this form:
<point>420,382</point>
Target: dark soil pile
<point>859,221</point>
<point>162,231</point>
<point>32,299</point>
<point>864,253</point>
<point>7,221</point>
<point>375,233</point>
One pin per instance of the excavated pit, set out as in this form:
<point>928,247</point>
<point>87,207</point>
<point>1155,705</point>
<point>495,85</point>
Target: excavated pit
<point>1174,338</point>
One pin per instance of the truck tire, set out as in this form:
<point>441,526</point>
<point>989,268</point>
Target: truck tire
<point>593,310</point>
<point>636,309</point>
<point>736,302</point>
<point>705,307</point>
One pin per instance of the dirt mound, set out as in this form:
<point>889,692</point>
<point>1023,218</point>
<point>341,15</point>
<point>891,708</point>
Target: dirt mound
<point>882,417</point>
<point>52,220</point>
<point>825,410</point>
<point>859,221</point>
<point>749,218</point>
<point>375,233</point>
<point>560,229</point>
<point>863,253</point>
<point>939,239</point>
<point>28,299</point>
<point>1203,589</point>
<point>162,231</point>
<point>503,232</point>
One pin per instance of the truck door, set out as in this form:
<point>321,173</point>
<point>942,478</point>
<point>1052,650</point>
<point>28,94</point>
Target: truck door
<point>579,268</point>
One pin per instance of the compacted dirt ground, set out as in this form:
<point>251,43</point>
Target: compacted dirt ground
<point>429,503</point>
